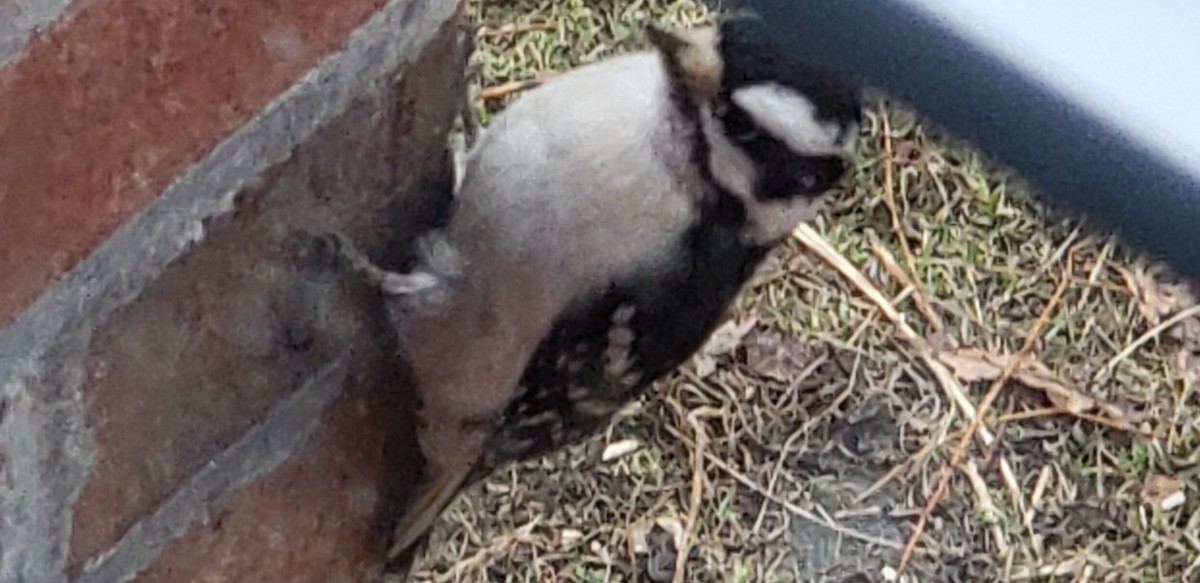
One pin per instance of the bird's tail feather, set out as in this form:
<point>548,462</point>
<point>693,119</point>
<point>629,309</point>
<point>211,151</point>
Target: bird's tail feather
<point>427,505</point>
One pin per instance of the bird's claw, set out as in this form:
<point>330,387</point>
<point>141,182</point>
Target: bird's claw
<point>391,283</point>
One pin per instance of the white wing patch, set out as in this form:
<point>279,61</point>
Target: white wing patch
<point>618,354</point>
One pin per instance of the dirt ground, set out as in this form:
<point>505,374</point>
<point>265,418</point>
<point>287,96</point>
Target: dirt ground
<point>806,441</point>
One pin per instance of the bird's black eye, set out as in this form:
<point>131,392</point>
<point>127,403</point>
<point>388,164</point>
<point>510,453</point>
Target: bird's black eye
<point>786,177</point>
<point>738,126</point>
<point>817,175</point>
<point>747,136</point>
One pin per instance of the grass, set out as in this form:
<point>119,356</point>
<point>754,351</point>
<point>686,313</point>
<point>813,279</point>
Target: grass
<point>806,449</point>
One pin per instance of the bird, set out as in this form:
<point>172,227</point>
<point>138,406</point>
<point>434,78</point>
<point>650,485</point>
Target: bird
<point>600,230</point>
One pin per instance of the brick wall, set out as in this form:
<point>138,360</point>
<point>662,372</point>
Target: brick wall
<point>189,389</point>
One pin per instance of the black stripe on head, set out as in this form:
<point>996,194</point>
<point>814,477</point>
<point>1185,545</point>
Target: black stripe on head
<point>780,172</point>
<point>751,58</point>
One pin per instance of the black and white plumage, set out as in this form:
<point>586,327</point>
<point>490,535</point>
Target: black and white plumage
<point>603,224</point>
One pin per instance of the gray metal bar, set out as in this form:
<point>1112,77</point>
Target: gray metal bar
<point>1094,102</point>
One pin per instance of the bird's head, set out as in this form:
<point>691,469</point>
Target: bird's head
<point>780,135</point>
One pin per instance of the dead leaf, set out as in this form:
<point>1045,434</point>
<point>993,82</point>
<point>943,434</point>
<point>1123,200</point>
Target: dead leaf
<point>1061,394</point>
<point>974,364</point>
<point>705,365</point>
<point>771,269</point>
<point>724,340</point>
<point>775,356</point>
<point>941,340</point>
<point>1155,300</point>
<point>637,539</point>
<point>971,365</point>
<point>889,574</point>
<point>1145,290</point>
<point>729,336</point>
<point>906,151</point>
<point>1186,332</point>
<point>1072,402</point>
<point>674,527</point>
<point>1188,361</point>
<point>619,448</point>
<point>1164,492</point>
<point>496,488</point>
<point>802,263</point>
<point>567,537</point>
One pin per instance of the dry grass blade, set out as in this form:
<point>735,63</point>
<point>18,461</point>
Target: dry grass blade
<point>974,364</point>
<point>508,88</point>
<point>790,507</point>
<point>1073,566</point>
<point>696,498</point>
<point>889,197</point>
<point>954,390</point>
<point>985,505</point>
<point>898,469</point>
<point>515,28</point>
<point>1035,504</point>
<point>925,352</point>
<point>989,398</point>
<point>1150,334</point>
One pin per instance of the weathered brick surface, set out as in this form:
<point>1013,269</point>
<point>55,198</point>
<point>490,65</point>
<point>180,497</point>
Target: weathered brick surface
<point>98,116</point>
<point>317,518</point>
<point>202,395</point>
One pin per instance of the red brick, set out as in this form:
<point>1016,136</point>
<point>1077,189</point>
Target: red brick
<point>99,114</point>
<point>173,380</point>
<point>244,318</point>
<point>319,518</point>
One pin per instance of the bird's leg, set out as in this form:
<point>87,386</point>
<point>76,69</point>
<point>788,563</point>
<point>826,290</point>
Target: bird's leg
<point>389,282</point>
<point>465,126</point>
<point>470,119</point>
<point>465,131</point>
<point>467,116</point>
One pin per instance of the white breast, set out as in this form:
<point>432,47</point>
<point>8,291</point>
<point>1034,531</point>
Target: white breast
<point>584,176</point>
<point>581,181</point>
